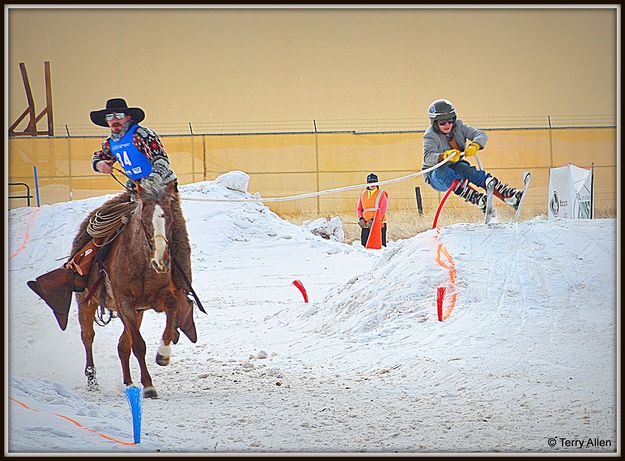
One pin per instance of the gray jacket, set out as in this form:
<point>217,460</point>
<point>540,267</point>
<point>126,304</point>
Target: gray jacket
<point>435,143</point>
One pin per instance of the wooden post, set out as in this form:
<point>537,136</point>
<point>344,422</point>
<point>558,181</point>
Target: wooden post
<point>31,128</point>
<point>417,191</point>
<point>32,124</point>
<point>48,108</point>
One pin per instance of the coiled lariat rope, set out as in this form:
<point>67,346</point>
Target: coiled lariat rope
<point>104,222</point>
<point>323,192</point>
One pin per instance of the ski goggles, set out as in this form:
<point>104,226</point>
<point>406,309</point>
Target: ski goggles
<point>117,115</point>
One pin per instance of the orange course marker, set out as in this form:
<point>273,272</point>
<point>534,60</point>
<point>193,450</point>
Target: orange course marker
<point>76,423</point>
<point>451,268</point>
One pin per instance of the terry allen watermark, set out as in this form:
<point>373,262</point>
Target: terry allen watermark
<point>590,442</point>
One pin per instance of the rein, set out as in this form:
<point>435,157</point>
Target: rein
<point>124,173</point>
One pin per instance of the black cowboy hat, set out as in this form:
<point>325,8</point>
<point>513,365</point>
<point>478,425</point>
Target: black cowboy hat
<point>116,105</point>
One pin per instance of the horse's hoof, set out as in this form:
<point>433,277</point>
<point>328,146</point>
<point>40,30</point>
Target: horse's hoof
<point>162,360</point>
<point>92,382</point>
<point>149,393</point>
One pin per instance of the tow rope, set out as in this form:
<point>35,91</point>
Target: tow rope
<point>323,192</point>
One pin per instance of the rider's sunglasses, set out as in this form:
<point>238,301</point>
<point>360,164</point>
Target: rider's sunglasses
<point>117,115</point>
<point>445,122</point>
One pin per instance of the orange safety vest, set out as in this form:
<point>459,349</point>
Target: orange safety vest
<point>371,203</point>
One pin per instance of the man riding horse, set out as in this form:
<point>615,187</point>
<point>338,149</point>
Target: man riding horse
<point>140,153</point>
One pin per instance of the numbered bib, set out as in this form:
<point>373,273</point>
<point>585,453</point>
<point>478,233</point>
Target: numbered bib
<point>135,164</point>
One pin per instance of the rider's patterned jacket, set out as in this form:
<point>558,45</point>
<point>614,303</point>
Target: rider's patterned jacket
<point>148,142</point>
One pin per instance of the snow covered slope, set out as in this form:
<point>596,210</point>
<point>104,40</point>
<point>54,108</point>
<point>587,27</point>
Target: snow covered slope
<point>528,352</point>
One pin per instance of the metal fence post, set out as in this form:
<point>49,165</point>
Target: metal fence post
<point>317,166</point>
<point>550,140</point>
<point>592,190</point>
<point>36,184</point>
<point>204,157</point>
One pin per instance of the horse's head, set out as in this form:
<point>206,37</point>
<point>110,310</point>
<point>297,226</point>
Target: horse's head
<point>156,218</point>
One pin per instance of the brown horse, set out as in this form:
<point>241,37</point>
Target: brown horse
<point>137,277</point>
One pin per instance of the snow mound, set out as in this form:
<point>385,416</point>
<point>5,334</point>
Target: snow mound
<point>222,222</point>
<point>328,228</point>
<point>234,180</point>
<point>397,298</point>
<point>397,293</point>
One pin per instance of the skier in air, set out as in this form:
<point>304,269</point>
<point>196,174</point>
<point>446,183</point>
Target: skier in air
<point>447,137</point>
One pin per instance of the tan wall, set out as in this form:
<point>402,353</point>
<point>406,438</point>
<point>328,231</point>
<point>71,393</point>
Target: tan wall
<point>290,164</point>
<point>205,65</point>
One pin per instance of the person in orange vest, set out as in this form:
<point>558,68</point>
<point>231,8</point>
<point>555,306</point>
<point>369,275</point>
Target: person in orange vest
<point>371,199</point>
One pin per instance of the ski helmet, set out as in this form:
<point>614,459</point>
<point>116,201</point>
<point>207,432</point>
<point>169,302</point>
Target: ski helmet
<point>372,177</point>
<point>441,109</point>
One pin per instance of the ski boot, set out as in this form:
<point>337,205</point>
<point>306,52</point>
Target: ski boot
<point>473,196</point>
<point>507,194</point>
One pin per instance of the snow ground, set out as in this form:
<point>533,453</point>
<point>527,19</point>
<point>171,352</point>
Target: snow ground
<point>529,352</point>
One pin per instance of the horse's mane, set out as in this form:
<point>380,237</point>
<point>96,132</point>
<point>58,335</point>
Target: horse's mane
<point>153,189</point>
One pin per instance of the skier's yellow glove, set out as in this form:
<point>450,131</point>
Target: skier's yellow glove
<point>453,153</point>
<point>471,149</point>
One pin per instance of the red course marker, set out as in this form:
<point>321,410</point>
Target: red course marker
<point>440,295</point>
<point>301,288</point>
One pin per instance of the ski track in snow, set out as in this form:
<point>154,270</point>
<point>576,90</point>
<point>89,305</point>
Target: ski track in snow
<point>528,353</point>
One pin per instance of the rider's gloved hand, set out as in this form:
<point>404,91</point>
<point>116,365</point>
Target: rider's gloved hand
<point>452,154</point>
<point>471,149</point>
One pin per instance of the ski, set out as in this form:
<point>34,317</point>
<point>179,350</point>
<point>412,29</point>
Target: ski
<point>490,188</point>
<point>527,176</point>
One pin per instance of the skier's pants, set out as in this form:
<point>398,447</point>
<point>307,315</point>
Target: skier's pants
<point>442,177</point>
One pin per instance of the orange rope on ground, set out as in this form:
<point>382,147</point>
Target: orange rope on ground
<point>451,267</point>
<point>22,404</point>
<point>104,436</point>
<point>31,219</point>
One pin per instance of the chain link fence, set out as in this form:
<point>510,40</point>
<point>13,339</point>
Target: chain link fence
<point>285,158</point>
<point>381,125</point>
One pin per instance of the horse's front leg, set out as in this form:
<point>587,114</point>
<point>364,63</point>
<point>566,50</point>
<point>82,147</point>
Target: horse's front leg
<point>123,350</point>
<point>170,304</point>
<point>86,315</point>
<point>131,339</point>
<point>138,349</point>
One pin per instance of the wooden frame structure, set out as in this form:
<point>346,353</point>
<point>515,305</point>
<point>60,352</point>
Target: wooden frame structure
<point>31,128</point>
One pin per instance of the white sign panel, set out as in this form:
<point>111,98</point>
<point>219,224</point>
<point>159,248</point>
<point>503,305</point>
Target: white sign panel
<point>570,193</point>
